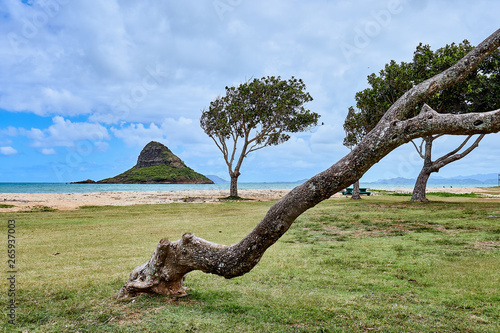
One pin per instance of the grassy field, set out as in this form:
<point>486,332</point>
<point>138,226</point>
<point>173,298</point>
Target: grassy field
<point>381,264</point>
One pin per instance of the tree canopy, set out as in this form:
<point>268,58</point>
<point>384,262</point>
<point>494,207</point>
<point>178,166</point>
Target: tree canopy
<point>477,93</point>
<point>254,115</point>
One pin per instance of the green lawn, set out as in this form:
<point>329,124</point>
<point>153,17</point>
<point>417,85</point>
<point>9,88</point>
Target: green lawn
<point>381,264</point>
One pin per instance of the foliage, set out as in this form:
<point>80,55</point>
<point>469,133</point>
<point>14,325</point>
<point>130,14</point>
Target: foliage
<point>261,113</point>
<point>477,93</point>
<point>270,105</point>
<point>383,264</point>
<point>158,174</point>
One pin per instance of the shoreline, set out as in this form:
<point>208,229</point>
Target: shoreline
<point>72,201</point>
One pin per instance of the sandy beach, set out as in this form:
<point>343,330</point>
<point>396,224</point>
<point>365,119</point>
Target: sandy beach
<point>71,201</point>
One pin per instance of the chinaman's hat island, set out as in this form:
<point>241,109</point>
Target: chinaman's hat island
<point>156,164</point>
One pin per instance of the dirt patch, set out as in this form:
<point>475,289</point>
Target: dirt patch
<point>487,245</point>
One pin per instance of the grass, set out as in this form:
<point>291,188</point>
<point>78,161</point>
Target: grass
<point>435,194</point>
<point>6,206</point>
<point>379,264</point>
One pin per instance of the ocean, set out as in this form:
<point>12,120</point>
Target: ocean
<point>88,188</point>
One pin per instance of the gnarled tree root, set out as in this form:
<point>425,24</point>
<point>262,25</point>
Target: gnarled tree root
<point>159,275</point>
<point>164,273</point>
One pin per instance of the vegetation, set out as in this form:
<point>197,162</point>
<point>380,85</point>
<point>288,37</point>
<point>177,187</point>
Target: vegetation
<point>157,164</point>
<point>6,206</point>
<point>383,264</point>
<point>477,93</point>
<point>260,112</point>
<point>438,194</point>
<point>158,174</point>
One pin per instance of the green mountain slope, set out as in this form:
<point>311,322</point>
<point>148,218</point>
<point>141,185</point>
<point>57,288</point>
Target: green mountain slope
<point>157,164</point>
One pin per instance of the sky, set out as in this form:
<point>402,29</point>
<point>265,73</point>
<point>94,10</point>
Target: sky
<point>86,84</point>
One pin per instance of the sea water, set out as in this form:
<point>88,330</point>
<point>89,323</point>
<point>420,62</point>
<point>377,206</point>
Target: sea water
<point>87,188</point>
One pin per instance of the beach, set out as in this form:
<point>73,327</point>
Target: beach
<point>71,201</point>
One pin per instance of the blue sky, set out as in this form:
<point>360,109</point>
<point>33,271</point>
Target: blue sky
<point>85,84</point>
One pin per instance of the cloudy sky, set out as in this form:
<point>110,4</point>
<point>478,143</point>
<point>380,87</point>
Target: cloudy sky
<point>85,84</point>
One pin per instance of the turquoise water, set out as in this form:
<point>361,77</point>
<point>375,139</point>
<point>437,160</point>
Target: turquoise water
<point>83,188</point>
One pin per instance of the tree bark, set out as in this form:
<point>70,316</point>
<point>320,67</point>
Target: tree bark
<point>165,271</point>
<point>418,194</point>
<point>355,191</point>
<point>434,166</point>
<point>420,187</point>
<point>233,189</point>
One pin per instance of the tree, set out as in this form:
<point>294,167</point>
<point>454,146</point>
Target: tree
<point>353,122</point>
<point>477,93</point>
<point>430,166</point>
<point>171,261</point>
<point>260,113</point>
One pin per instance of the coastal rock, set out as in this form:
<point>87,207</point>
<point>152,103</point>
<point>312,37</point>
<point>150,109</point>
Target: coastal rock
<point>155,153</point>
<point>88,181</point>
<point>157,164</point>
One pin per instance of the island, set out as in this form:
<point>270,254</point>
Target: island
<point>156,164</point>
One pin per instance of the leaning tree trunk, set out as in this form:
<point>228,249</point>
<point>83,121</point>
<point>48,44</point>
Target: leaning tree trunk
<point>355,191</point>
<point>171,261</point>
<point>421,186</point>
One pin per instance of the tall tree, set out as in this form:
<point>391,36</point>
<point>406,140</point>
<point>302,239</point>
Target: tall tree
<point>477,93</point>
<point>254,115</point>
<point>171,261</point>
<point>352,123</point>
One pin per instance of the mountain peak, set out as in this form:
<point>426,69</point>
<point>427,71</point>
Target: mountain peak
<point>155,153</point>
<point>156,164</point>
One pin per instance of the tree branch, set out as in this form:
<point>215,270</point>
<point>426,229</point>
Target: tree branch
<point>419,149</point>
<point>235,147</point>
<point>449,158</point>
<point>445,79</point>
<point>451,153</point>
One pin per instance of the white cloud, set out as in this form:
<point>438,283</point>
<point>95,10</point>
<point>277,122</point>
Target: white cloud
<point>48,151</point>
<point>173,132</point>
<point>8,151</point>
<point>9,131</point>
<point>64,133</point>
<point>64,102</point>
<point>138,134</point>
